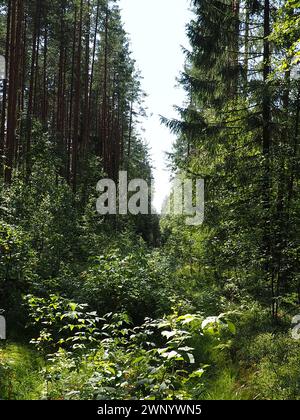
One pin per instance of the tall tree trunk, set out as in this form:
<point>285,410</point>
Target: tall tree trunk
<point>71,120</point>
<point>104,119</point>
<point>45,83</point>
<point>246,43</point>
<point>13,88</point>
<point>77,102</point>
<point>86,125</point>
<point>4,100</point>
<point>32,89</point>
<point>266,146</point>
<point>130,132</point>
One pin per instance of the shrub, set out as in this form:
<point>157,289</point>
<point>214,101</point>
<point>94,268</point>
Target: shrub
<point>116,360</point>
<point>277,361</point>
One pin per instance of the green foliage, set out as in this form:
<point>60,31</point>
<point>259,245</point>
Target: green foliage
<point>20,377</point>
<point>135,283</point>
<point>225,385</point>
<point>112,316</point>
<point>155,360</point>
<point>277,367</point>
<point>49,236</point>
<point>17,266</point>
<point>64,323</point>
<point>14,254</point>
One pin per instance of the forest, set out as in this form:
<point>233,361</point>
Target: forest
<point>137,306</point>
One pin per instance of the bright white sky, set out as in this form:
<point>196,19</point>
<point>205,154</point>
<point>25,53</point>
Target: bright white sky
<point>156,29</point>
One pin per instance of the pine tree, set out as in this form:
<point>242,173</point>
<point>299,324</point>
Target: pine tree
<point>235,132</point>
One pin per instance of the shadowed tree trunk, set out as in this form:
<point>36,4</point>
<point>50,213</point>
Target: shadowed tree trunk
<point>15,49</point>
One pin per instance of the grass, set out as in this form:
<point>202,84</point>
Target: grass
<point>20,377</point>
<point>225,385</point>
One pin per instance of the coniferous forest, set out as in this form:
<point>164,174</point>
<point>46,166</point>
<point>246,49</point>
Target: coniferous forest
<point>136,306</point>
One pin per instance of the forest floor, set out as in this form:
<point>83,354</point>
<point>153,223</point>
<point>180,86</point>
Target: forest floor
<point>24,377</point>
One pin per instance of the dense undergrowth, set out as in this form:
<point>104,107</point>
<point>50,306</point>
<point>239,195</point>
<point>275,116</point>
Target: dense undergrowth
<point>170,358</point>
<point>115,318</point>
<point>136,306</point>
<point>134,321</point>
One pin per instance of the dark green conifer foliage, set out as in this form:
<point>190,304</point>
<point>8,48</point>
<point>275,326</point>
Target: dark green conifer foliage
<point>238,132</point>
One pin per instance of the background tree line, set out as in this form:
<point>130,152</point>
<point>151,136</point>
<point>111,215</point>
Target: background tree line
<point>239,131</point>
<point>69,74</point>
